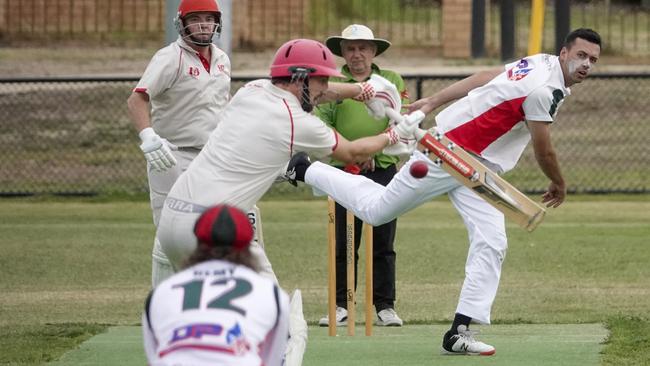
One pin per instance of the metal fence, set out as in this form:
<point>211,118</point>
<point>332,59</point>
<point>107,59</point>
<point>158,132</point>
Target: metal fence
<point>261,24</point>
<point>73,136</point>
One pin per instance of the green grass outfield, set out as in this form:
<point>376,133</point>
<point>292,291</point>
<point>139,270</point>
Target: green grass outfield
<point>71,269</point>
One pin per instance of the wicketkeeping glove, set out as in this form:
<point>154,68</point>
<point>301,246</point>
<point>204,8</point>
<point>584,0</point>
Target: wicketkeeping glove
<point>157,150</point>
<point>378,93</point>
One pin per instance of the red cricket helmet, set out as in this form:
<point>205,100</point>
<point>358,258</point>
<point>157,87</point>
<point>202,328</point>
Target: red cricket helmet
<point>224,226</point>
<point>307,54</point>
<point>195,6</point>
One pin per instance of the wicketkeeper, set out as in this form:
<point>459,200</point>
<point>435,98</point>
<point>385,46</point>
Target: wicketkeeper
<point>219,310</point>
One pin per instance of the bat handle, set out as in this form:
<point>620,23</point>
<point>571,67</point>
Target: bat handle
<point>420,133</point>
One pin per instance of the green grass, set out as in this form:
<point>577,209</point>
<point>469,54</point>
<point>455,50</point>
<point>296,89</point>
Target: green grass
<point>68,268</point>
<point>628,343</point>
<point>411,345</point>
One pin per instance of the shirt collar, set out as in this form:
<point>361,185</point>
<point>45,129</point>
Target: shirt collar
<point>277,91</point>
<point>345,70</point>
<point>181,42</point>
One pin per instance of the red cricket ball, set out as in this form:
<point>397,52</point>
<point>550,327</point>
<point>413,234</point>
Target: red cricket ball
<point>419,169</point>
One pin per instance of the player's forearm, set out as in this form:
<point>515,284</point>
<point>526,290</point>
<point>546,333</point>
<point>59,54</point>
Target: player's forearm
<point>547,161</point>
<point>340,91</point>
<point>139,112</point>
<point>461,88</point>
<point>359,151</point>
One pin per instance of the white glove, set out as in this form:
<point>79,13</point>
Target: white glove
<point>378,93</point>
<point>408,125</point>
<point>157,150</point>
<point>404,127</point>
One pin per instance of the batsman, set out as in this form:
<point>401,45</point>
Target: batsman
<point>499,112</point>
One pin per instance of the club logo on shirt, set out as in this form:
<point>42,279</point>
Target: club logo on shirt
<point>194,71</point>
<point>196,331</point>
<point>519,71</point>
<point>221,67</point>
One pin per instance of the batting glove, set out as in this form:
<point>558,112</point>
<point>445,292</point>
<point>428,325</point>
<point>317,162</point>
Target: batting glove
<point>378,93</point>
<point>157,150</point>
<point>405,128</point>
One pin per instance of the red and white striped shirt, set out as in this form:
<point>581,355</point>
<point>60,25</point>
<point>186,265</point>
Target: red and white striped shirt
<point>490,120</point>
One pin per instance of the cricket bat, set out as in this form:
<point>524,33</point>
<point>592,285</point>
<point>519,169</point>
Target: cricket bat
<point>468,170</point>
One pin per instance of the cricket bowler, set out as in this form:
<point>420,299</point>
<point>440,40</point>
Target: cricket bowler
<point>498,114</point>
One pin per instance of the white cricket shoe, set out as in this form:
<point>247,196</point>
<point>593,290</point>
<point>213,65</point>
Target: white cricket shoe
<point>388,318</point>
<point>341,318</point>
<point>464,343</point>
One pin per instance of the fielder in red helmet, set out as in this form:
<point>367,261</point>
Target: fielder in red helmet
<point>176,105</point>
<point>197,21</point>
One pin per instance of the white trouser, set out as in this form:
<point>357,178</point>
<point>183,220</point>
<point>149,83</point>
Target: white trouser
<point>177,240</point>
<point>160,183</point>
<point>376,205</point>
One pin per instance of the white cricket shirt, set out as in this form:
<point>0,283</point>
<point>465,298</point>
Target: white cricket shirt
<point>216,313</point>
<point>260,129</point>
<point>187,92</point>
<point>490,120</point>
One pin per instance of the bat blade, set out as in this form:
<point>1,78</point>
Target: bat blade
<point>469,171</point>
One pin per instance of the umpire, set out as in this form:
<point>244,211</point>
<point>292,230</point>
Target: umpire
<point>358,46</point>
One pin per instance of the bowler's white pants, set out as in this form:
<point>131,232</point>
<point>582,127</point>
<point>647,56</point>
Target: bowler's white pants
<point>376,205</point>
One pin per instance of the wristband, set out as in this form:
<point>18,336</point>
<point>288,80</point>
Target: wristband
<point>367,92</point>
<point>147,133</point>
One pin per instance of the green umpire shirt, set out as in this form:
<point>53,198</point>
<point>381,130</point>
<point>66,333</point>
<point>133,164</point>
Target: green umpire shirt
<point>351,119</point>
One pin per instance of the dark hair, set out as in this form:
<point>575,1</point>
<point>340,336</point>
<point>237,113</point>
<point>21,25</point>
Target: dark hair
<point>587,34</point>
<point>281,80</point>
<point>204,253</point>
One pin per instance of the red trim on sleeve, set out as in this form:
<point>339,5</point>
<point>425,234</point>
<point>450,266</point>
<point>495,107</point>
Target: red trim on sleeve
<point>140,90</point>
<point>180,58</point>
<point>291,118</point>
<point>336,140</point>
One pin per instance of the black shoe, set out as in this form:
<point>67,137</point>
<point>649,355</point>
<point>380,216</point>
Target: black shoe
<point>296,168</point>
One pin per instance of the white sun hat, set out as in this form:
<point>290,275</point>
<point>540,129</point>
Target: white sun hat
<point>356,32</point>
